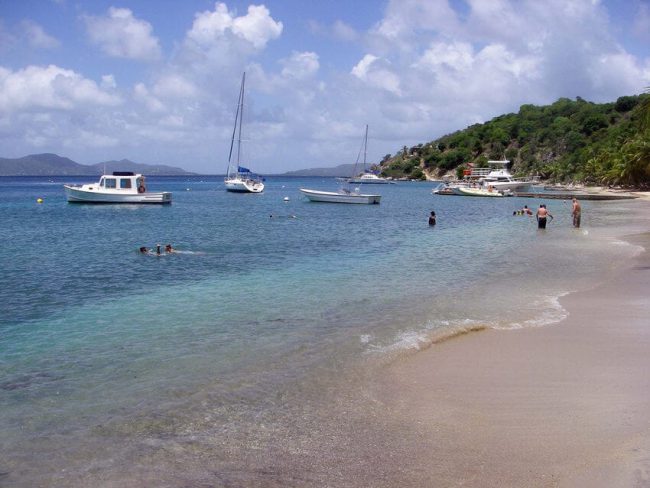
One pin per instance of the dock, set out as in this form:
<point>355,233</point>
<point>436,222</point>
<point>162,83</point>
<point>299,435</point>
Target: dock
<point>578,195</point>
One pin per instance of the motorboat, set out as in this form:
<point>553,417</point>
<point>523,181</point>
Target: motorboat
<point>341,196</point>
<point>449,188</point>
<point>345,194</point>
<point>238,178</point>
<point>469,191</point>
<point>444,190</point>
<point>497,176</point>
<point>369,178</point>
<point>119,187</point>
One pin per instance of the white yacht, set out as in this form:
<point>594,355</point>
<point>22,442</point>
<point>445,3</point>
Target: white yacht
<point>369,178</point>
<point>498,177</point>
<point>119,187</point>
<point>238,178</point>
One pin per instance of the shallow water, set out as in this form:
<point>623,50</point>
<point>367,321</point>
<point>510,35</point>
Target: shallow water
<point>246,355</point>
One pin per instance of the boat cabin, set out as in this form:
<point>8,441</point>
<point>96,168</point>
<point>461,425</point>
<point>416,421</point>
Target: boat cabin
<point>123,180</point>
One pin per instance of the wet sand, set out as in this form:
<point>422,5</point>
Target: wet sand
<point>565,405</point>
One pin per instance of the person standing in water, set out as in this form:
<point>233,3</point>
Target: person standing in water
<point>542,215</point>
<point>576,212</point>
<point>432,218</point>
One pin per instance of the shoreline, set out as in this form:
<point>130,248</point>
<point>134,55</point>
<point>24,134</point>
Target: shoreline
<point>561,405</point>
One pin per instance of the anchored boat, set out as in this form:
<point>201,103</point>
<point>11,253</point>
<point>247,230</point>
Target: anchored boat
<point>344,194</point>
<point>119,187</point>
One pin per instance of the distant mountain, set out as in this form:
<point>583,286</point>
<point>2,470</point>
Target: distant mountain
<point>146,169</point>
<point>48,164</point>
<point>342,170</point>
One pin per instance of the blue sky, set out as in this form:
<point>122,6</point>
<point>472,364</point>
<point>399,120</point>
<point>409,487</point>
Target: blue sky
<point>157,82</point>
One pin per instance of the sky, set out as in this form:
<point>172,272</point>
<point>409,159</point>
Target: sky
<point>158,82</point>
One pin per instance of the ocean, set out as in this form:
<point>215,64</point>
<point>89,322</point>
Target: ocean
<point>247,358</point>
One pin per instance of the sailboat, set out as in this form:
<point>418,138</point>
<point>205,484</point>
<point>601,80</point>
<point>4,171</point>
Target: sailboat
<point>238,178</point>
<point>344,194</point>
<point>368,176</point>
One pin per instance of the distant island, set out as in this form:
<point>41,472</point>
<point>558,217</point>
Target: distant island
<point>48,164</point>
<point>342,170</point>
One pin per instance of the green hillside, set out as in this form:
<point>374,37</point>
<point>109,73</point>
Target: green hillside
<point>579,141</point>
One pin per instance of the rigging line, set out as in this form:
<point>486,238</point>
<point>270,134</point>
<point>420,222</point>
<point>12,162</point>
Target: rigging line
<point>237,117</point>
<point>241,119</point>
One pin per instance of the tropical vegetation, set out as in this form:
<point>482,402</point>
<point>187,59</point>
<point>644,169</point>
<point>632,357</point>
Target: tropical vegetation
<point>567,141</point>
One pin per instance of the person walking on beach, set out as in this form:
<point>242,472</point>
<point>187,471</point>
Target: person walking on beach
<point>542,215</point>
<point>432,218</point>
<point>576,212</point>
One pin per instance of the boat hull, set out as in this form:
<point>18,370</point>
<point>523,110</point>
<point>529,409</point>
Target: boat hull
<point>369,181</point>
<point>509,185</point>
<point>239,185</point>
<point>477,192</point>
<point>340,197</point>
<point>81,195</point>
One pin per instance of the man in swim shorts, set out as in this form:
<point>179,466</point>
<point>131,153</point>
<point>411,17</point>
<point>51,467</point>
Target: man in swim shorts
<point>576,212</point>
<point>542,215</point>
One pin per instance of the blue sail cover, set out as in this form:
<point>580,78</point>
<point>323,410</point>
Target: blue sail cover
<point>241,169</point>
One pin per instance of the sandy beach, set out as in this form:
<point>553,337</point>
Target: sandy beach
<point>564,405</point>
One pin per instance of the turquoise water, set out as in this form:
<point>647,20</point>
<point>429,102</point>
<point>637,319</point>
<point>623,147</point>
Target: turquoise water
<point>271,319</point>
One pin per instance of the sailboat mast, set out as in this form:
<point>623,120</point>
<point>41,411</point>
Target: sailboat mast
<point>365,148</point>
<point>241,117</point>
<point>234,129</point>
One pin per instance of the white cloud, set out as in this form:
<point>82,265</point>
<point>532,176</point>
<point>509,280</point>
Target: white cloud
<point>142,95</point>
<point>120,34</point>
<point>51,87</point>
<point>376,72</point>
<point>300,65</point>
<point>174,86</point>
<point>108,82</point>
<point>404,18</point>
<point>344,32</point>
<point>256,27</point>
<point>363,66</point>
<point>339,30</point>
<point>90,139</point>
<point>455,56</point>
<point>642,22</point>
<point>36,37</point>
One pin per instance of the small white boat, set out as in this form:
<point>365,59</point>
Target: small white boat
<point>238,178</point>
<point>341,196</point>
<point>345,194</point>
<point>120,187</point>
<point>481,192</point>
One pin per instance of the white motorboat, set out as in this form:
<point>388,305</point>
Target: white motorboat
<point>120,187</point>
<point>369,178</point>
<point>498,177</point>
<point>469,191</point>
<point>345,194</point>
<point>341,196</point>
<point>238,178</point>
